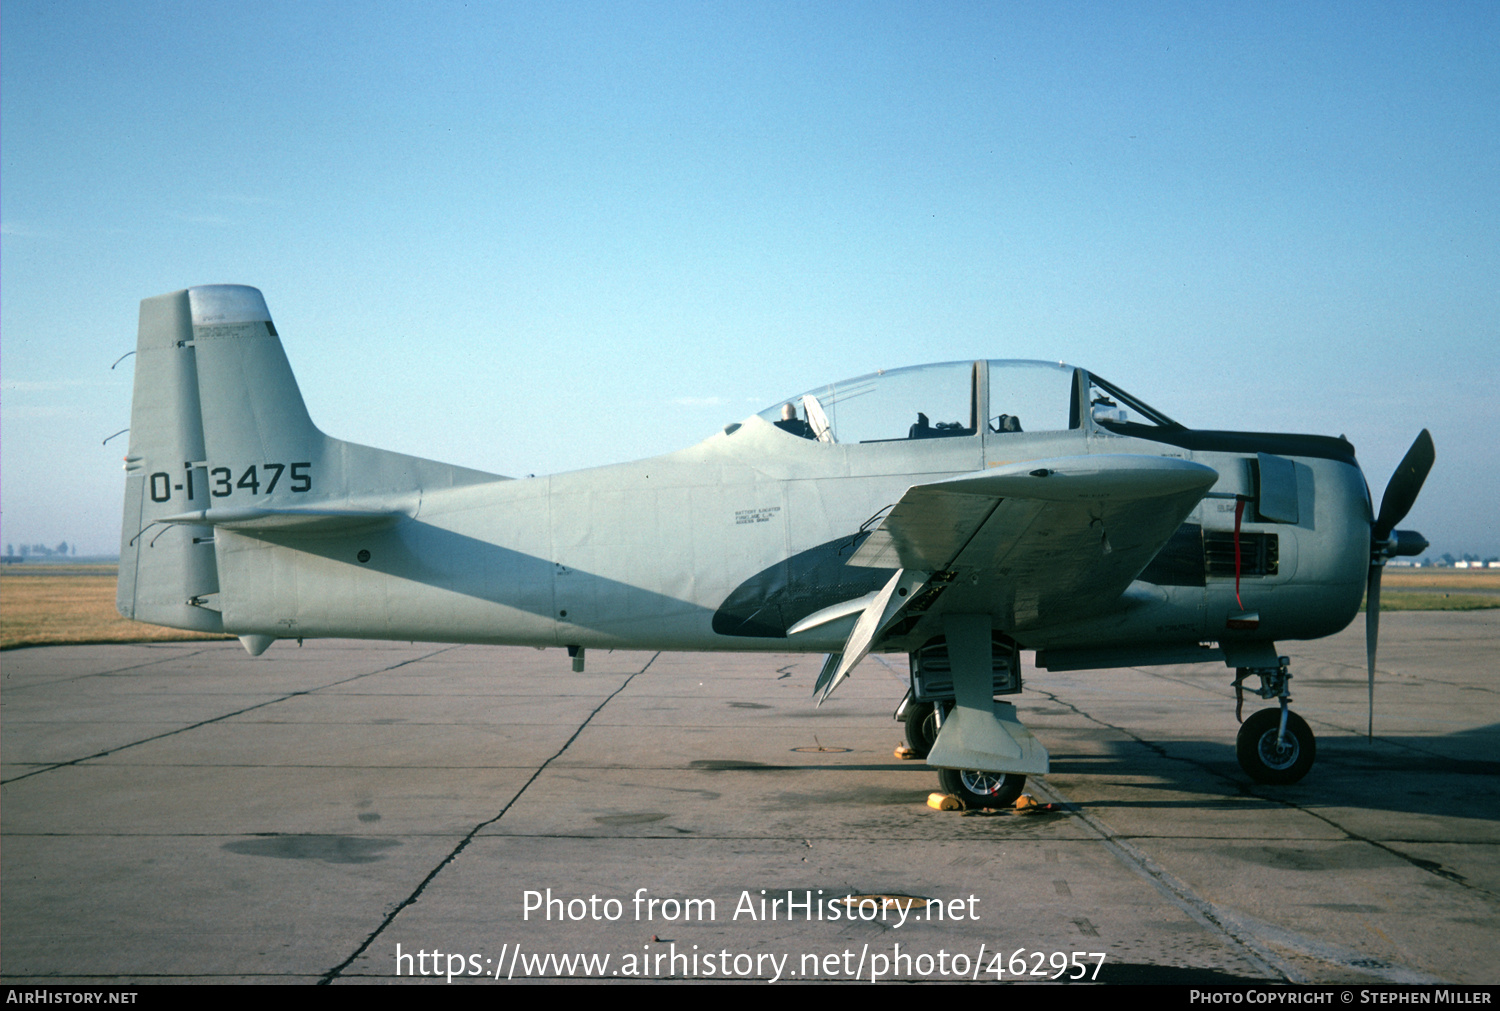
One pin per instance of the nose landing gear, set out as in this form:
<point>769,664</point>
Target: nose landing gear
<point>1274,746</point>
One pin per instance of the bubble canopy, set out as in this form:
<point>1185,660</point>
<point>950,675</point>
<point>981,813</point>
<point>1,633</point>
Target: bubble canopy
<point>953,399</point>
<point>946,400</point>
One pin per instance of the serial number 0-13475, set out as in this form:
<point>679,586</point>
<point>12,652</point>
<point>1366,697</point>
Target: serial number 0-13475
<point>258,479</point>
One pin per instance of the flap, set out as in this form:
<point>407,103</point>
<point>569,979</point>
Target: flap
<point>876,616</point>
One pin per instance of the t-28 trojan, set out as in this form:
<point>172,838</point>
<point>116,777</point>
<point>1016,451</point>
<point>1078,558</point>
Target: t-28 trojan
<point>959,513</point>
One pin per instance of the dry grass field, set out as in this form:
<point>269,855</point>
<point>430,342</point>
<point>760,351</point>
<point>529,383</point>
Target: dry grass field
<point>49,605</point>
<point>1403,589</point>
<point>53,605</point>
<point>1464,580</point>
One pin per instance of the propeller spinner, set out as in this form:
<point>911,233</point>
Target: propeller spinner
<point>1386,543</point>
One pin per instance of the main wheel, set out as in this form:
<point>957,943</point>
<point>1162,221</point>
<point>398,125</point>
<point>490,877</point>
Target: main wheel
<point>1267,762</point>
<point>921,728</point>
<point>982,789</point>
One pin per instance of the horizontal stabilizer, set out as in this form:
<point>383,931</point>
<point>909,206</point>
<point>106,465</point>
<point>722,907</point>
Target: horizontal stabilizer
<point>220,438</point>
<point>250,519</point>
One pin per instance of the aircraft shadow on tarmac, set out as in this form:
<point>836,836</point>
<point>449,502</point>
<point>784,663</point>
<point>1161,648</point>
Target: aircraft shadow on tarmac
<point>1397,774</point>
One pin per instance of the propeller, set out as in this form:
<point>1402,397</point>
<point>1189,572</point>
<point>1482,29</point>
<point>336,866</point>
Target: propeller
<point>1386,543</point>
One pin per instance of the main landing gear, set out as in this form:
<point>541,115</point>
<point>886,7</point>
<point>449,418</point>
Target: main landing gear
<point>982,789</point>
<point>1274,745</point>
<point>973,787</point>
<point>922,727</point>
<point>981,751</point>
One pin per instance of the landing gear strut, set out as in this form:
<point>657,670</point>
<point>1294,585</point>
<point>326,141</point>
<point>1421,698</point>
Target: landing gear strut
<point>1274,745</point>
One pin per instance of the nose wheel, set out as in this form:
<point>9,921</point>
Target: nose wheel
<point>1269,755</point>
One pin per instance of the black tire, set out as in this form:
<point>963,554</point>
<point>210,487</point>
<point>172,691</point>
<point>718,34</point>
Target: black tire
<point>921,728</point>
<point>1262,760</point>
<point>982,789</point>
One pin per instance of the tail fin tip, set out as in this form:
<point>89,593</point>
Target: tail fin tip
<point>215,304</point>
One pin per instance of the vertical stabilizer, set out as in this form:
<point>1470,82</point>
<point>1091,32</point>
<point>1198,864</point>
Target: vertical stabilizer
<point>232,495</point>
<point>216,346</point>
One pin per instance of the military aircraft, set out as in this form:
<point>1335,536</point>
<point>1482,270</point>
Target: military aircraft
<point>958,512</point>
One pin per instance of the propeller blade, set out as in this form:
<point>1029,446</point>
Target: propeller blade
<point>1404,486</point>
<point>1372,638</point>
<point>1400,495</point>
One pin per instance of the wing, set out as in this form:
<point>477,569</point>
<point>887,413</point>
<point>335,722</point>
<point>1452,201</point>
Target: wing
<point>1029,544</point>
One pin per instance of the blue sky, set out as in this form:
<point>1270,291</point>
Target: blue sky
<point>535,237</point>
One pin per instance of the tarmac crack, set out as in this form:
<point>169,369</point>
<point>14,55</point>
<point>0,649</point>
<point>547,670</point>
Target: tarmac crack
<point>1429,866</point>
<point>1252,936</point>
<point>463,844</point>
<point>1177,891</point>
<point>104,673</point>
<point>49,767</point>
<point>1244,930</point>
<point>1362,672</point>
